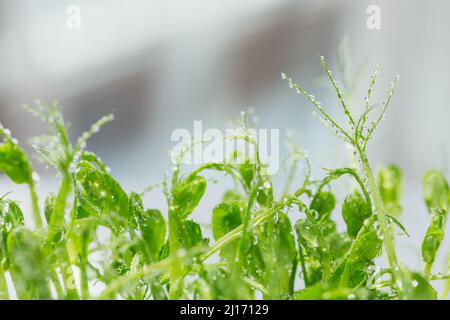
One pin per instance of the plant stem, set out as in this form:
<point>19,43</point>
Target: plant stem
<point>35,205</point>
<point>57,284</point>
<point>381,215</point>
<point>57,225</point>
<point>84,284</point>
<point>4,295</point>
<point>293,274</point>
<point>175,227</point>
<point>302,263</point>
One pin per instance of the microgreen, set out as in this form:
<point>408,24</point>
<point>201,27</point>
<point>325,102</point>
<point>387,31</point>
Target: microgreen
<point>265,243</point>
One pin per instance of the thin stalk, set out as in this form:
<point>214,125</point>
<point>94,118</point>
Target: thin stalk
<point>176,270</point>
<point>4,295</point>
<point>57,218</point>
<point>293,274</point>
<point>35,205</point>
<point>57,284</point>
<point>56,225</point>
<point>386,231</point>
<point>303,264</point>
<point>84,284</point>
<point>67,275</point>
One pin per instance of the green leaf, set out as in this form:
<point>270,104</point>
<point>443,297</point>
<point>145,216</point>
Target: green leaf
<point>49,205</point>
<point>252,256</point>
<point>355,210</point>
<point>310,233</point>
<point>247,172</point>
<point>222,285</point>
<point>324,292</point>
<point>135,210</point>
<point>435,191</point>
<point>188,194</point>
<point>279,252</point>
<point>192,234</point>
<point>390,187</point>
<point>311,240</point>
<point>418,288</point>
<point>324,203</point>
<point>99,194</point>
<point>225,217</point>
<point>436,194</point>
<point>231,196</point>
<point>14,163</point>
<point>264,196</point>
<point>11,218</point>
<point>29,267</point>
<point>153,232</point>
<point>434,237</point>
<point>366,247</point>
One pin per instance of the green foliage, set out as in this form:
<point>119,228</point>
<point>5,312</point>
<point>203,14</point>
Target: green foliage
<point>14,163</point>
<point>435,191</point>
<point>187,195</point>
<point>265,242</point>
<point>390,186</point>
<point>355,210</point>
<point>437,198</point>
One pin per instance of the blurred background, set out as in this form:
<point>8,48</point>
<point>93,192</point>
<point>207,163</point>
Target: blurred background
<point>159,65</point>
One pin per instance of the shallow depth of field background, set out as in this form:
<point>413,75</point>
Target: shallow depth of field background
<point>161,64</point>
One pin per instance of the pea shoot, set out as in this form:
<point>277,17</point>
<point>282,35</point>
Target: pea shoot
<point>264,242</point>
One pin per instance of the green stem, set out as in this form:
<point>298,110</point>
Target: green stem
<point>303,264</point>
<point>4,295</point>
<point>56,282</point>
<point>57,218</point>
<point>84,284</point>
<point>293,274</point>
<point>57,226</point>
<point>35,205</point>
<point>176,270</point>
<point>386,231</point>
<point>67,275</point>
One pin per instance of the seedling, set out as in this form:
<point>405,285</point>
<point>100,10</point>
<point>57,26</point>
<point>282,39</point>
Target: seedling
<point>265,243</point>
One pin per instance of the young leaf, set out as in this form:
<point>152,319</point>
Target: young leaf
<point>14,163</point>
<point>192,234</point>
<point>264,196</point>
<point>355,210</point>
<point>225,217</point>
<point>435,191</point>
<point>324,203</point>
<point>390,186</point>
<point>98,193</point>
<point>187,195</point>
<point>153,232</point>
<point>279,253</point>
<point>247,172</point>
<point>366,247</point>
<point>418,288</point>
<point>433,237</point>
<point>29,267</point>
<point>49,205</point>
